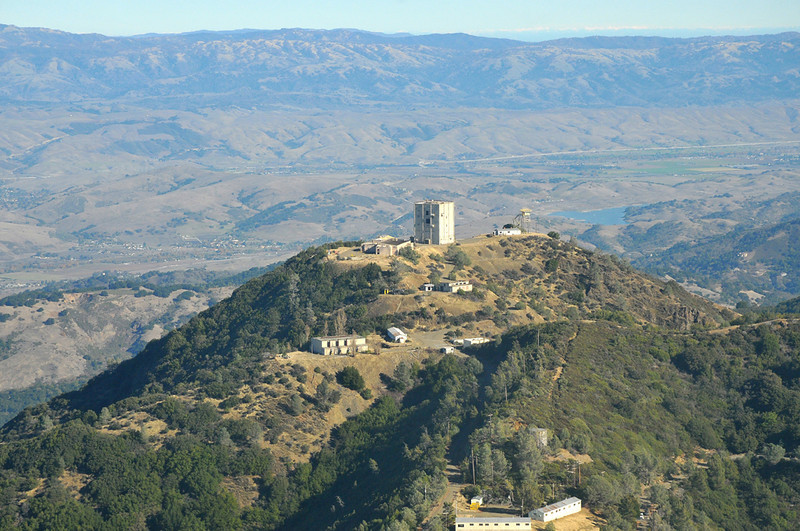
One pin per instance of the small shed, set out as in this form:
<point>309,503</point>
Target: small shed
<point>428,287</point>
<point>396,335</point>
<point>447,349</point>
<point>476,502</point>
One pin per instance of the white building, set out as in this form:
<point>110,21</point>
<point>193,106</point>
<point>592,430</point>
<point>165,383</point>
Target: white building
<point>507,232</point>
<point>434,222</point>
<point>472,341</point>
<point>396,335</point>
<point>455,285</point>
<point>557,510</point>
<point>493,524</point>
<point>334,345</point>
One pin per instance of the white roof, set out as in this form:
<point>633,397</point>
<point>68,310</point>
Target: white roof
<point>395,331</point>
<point>558,505</point>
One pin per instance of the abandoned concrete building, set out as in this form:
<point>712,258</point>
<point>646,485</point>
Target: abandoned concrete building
<point>434,222</point>
<point>337,345</point>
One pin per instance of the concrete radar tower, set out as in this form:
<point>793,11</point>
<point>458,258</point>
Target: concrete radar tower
<point>434,222</point>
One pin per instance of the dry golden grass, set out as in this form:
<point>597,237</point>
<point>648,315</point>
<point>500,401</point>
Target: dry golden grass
<point>74,482</point>
<point>311,429</point>
<point>581,521</point>
<point>243,488</point>
<point>566,456</point>
<point>499,261</point>
<point>35,491</point>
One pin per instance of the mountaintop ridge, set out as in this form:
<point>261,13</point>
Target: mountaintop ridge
<point>227,421</point>
<point>518,281</point>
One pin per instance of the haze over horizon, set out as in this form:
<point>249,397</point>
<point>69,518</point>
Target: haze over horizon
<point>514,19</point>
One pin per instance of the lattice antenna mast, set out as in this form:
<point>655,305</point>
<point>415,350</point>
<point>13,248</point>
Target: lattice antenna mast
<point>522,221</point>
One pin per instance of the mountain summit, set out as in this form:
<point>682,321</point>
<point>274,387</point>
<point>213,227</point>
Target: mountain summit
<point>563,359</point>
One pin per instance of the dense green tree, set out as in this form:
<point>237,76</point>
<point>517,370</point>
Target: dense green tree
<point>601,492</point>
<point>457,257</point>
<point>350,378</point>
<point>773,453</point>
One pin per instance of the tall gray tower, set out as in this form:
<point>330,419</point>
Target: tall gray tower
<point>434,222</point>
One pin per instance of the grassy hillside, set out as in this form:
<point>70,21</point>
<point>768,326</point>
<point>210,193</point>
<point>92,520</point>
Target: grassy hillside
<point>54,339</point>
<point>751,264</point>
<point>224,424</point>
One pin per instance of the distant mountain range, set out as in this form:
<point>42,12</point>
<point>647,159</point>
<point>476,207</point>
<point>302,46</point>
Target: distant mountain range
<point>154,149</point>
<point>346,68</point>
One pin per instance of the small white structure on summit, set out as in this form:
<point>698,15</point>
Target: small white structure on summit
<point>557,510</point>
<point>513,231</point>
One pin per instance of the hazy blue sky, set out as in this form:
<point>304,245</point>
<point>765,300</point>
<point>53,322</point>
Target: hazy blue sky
<point>524,19</point>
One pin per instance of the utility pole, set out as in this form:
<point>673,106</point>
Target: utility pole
<point>472,460</point>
